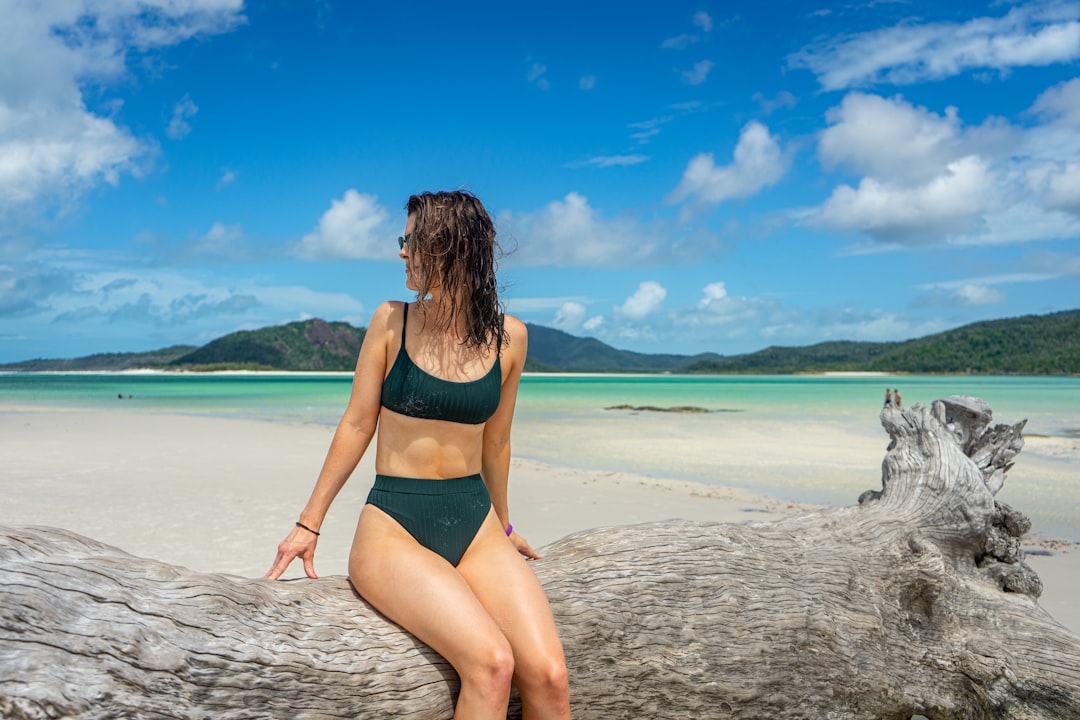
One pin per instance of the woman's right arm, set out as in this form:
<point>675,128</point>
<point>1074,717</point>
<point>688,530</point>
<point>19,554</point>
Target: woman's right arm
<point>351,440</point>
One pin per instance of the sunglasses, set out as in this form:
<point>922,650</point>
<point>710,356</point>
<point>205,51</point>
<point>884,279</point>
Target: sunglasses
<point>403,241</point>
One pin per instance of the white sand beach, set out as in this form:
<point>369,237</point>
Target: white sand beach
<point>218,494</point>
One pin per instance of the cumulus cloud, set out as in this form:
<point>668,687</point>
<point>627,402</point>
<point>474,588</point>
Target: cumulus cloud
<point>570,232</point>
<point>1061,189</point>
<point>179,127</point>
<point>758,163</point>
<point>928,178</point>
<point>1030,35</point>
<point>646,300</point>
<point>717,307</point>
<point>587,82</point>
<point>53,146</point>
<point>951,203</point>
<point>355,227</point>
<point>570,316</point>
<point>890,138</point>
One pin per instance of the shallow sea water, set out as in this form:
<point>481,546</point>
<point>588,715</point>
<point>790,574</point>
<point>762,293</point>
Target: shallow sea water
<point>813,438</point>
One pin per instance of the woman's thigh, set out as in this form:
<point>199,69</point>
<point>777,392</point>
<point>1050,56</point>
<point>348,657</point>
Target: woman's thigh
<point>419,590</point>
<point>513,597</point>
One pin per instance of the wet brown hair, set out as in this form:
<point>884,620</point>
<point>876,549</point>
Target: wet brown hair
<point>454,247</point>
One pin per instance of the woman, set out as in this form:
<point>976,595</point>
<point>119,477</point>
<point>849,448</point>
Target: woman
<point>434,549</point>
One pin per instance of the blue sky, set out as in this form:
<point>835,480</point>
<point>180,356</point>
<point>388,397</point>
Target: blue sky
<point>667,177</point>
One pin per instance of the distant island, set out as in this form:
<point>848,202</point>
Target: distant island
<point>1028,345</point>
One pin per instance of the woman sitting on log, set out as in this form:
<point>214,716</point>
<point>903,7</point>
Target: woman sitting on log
<point>434,549</point>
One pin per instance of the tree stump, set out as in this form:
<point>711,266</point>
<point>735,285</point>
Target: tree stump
<point>916,601</point>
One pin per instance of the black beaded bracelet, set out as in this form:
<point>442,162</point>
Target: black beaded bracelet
<point>302,525</point>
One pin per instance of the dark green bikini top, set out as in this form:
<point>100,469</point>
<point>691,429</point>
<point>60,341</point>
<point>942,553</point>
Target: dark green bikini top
<point>411,391</point>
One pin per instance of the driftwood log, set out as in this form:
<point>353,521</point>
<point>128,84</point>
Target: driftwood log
<point>914,602</point>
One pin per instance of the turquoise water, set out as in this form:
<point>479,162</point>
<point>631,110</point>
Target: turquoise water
<point>564,419</point>
<point>1051,404</point>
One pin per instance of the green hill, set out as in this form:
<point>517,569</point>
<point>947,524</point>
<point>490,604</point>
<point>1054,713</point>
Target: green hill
<point>1029,345</point>
<point>554,350</point>
<point>104,362</point>
<point>1033,344</point>
<point>306,345</point>
<point>835,356</point>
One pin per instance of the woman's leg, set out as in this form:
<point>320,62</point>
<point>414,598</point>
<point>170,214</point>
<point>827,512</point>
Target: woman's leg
<point>514,598</point>
<point>422,592</point>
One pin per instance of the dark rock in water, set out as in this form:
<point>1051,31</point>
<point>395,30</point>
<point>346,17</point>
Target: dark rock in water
<point>686,409</point>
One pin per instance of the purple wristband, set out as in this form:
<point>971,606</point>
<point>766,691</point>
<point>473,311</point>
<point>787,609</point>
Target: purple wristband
<point>509,529</point>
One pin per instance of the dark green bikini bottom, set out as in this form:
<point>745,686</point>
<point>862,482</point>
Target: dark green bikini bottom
<point>443,515</point>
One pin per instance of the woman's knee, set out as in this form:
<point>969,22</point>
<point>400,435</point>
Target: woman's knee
<point>546,681</point>
<point>490,666</point>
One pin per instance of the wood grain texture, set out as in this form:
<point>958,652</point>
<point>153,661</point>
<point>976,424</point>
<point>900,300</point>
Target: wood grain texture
<point>916,601</point>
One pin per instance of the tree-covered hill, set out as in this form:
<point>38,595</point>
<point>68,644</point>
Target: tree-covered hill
<point>1029,345</point>
<point>835,356</point>
<point>104,362</point>
<point>1033,344</point>
<point>551,349</point>
<point>306,345</point>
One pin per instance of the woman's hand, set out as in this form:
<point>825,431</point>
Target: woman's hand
<point>299,544</point>
<point>523,546</point>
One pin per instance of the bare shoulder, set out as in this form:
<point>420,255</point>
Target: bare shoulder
<point>517,340</point>
<point>515,330</point>
<point>387,317</point>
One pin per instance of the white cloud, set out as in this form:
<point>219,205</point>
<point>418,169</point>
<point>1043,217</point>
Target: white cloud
<point>569,232</point>
<point>606,161</point>
<point>52,147</point>
<point>929,179</point>
<point>1060,102</point>
<point>1031,35</point>
<point>179,127</point>
<point>587,82</point>
<point>703,20</point>
<point>646,300</point>
<point>758,163</point>
<point>355,227</point>
<point>697,74</point>
<point>972,295</point>
<point>717,307</point>
<point>970,292</point>
<point>891,139</point>
<point>593,324</point>
<point>949,204</point>
<point>570,316</point>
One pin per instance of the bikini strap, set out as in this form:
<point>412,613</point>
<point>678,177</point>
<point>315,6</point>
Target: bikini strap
<point>404,322</point>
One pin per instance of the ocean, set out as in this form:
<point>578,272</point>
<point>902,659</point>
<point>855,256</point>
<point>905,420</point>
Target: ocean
<point>828,449</point>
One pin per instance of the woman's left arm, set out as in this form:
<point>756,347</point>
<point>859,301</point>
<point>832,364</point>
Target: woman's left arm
<point>495,463</point>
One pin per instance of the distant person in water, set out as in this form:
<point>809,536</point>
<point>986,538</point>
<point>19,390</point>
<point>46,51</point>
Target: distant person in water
<point>888,396</point>
<point>434,549</point>
<point>896,395</point>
